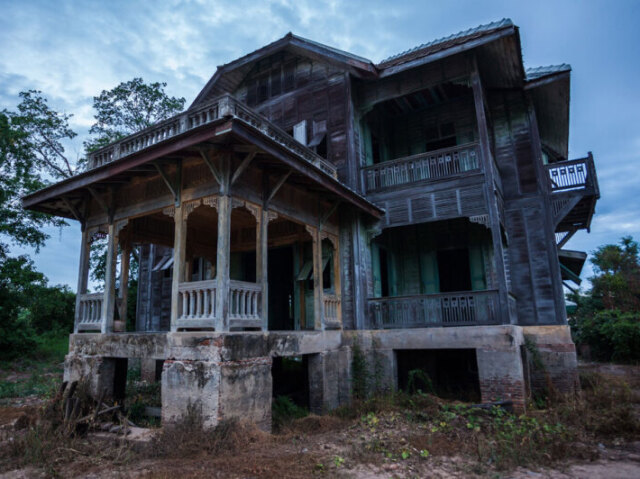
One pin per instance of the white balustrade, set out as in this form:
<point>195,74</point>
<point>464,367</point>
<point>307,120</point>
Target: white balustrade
<point>244,301</point>
<point>197,302</point>
<point>89,312</point>
<point>331,308</point>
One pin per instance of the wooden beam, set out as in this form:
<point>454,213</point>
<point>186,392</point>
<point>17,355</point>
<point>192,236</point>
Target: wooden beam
<point>100,201</point>
<point>166,179</point>
<point>277,186</point>
<point>243,166</point>
<point>74,211</point>
<point>209,162</point>
<point>332,209</point>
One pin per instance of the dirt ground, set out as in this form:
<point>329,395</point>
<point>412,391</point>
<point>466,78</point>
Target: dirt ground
<point>383,446</point>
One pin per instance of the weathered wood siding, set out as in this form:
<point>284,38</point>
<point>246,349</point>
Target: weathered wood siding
<point>532,246</point>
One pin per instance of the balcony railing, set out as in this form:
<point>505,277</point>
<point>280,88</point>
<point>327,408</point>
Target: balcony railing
<point>572,175</point>
<point>431,165</point>
<point>331,309</point>
<point>90,312</point>
<point>197,304</point>
<point>469,308</point>
<point>245,304</point>
<point>221,107</point>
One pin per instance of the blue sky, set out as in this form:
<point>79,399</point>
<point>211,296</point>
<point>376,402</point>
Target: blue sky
<point>71,50</point>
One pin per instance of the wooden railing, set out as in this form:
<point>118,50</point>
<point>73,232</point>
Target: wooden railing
<point>245,304</point>
<point>467,308</point>
<point>331,308</point>
<point>197,303</point>
<point>431,165</point>
<point>572,175</point>
<point>224,106</point>
<point>89,312</point>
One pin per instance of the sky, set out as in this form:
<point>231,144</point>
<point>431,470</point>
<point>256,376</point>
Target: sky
<point>72,50</point>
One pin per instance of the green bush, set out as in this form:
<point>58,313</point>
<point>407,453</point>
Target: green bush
<point>611,335</point>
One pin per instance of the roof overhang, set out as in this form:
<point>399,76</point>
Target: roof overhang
<point>225,131</point>
<point>549,89</point>
<point>571,264</point>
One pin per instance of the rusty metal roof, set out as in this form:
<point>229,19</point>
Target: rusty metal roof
<point>445,42</point>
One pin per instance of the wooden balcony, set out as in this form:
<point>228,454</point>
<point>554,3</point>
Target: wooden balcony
<point>224,106</point>
<point>429,166</point>
<point>574,192</point>
<point>467,308</point>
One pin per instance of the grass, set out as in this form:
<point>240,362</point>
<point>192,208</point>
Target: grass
<point>39,374</point>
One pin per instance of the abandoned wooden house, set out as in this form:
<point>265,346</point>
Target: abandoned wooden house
<point>308,200</point>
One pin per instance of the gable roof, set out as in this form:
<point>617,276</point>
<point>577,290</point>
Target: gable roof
<point>535,73</point>
<point>238,68</point>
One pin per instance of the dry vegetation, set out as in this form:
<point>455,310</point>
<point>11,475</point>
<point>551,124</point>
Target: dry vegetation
<point>392,436</point>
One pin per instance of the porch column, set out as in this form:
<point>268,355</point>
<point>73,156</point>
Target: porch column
<point>337,284</point>
<point>124,281</point>
<point>262,251</point>
<point>83,275</point>
<point>179,250</point>
<point>222,267</point>
<point>318,306</point>
<point>108,303</point>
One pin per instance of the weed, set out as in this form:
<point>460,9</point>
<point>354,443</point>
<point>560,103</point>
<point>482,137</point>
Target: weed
<point>338,461</point>
<point>284,410</point>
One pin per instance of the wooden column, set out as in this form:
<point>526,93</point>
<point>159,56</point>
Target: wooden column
<point>222,266</point>
<point>262,251</point>
<point>337,285</point>
<point>83,274</point>
<point>179,253</point>
<point>109,301</point>
<point>125,257</point>
<point>490,193</point>
<point>318,306</point>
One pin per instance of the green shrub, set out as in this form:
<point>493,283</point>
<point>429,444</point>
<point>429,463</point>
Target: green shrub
<point>611,335</point>
<point>284,410</point>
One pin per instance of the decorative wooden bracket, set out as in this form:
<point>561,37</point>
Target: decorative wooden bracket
<point>327,214</point>
<point>212,166</point>
<point>272,192</point>
<point>174,186</point>
<point>99,200</point>
<point>73,210</point>
<point>243,166</point>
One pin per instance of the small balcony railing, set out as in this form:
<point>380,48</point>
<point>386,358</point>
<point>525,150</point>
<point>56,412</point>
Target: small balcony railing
<point>572,175</point>
<point>197,303</point>
<point>432,165</point>
<point>221,107</point>
<point>331,309</point>
<point>468,308</point>
<point>90,312</point>
<point>245,304</point>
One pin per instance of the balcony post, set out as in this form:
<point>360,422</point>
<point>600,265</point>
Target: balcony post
<point>179,255</point>
<point>124,281</point>
<point>262,251</point>
<point>222,263</point>
<point>318,300</point>
<point>108,303</point>
<point>83,273</point>
<point>490,195</point>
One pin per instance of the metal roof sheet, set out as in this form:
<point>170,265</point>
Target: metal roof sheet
<point>539,72</point>
<point>445,42</point>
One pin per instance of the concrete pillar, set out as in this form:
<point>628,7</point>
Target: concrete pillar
<point>219,390</point>
<point>318,303</point>
<point>501,376</point>
<point>97,372</point>
<point>553,363</point>
<point>329,380</point>
<point>124,283</point>
<point>83,274</point>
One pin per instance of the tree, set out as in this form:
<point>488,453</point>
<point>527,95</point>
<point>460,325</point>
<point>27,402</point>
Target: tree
<point>617,278</point>
<point>31,154</point>
<point>130,107</point>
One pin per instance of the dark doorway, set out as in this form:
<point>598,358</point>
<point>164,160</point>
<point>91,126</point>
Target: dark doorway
<point>290,377</point>
<point>448,373</point>
<point>281,297</point>
<point>454,270</point>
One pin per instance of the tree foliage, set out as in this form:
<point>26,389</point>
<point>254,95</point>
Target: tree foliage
<point>607,318</point>
<point>130,107</point>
